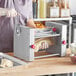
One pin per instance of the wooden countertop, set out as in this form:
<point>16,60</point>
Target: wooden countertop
<point>45,66</point>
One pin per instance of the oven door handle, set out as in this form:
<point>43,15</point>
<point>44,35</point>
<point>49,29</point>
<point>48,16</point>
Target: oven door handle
<point>18,30</point>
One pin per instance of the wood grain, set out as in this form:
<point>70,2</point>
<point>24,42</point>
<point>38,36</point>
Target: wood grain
<point>45,66</point>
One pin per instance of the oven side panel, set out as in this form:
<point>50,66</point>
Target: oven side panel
<point>23,42</point>
<point>64,40</point>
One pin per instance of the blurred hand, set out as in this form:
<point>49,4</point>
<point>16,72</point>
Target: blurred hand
<point>11,13</point>
<point>30,23</point>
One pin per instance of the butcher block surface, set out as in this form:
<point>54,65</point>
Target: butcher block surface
<point>44,66</point>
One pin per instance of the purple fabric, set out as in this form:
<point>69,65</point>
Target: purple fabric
<point>24,8</point>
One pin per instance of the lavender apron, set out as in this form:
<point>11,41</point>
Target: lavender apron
<point>24,8</point>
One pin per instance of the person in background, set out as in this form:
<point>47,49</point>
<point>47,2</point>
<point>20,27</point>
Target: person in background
<point>10,12</point>
<point>9,9</point>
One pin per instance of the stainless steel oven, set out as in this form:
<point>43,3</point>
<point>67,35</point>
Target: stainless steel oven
<point>28,41</point>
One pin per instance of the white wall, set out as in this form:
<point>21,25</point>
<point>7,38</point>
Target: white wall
<point>73,6</point>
